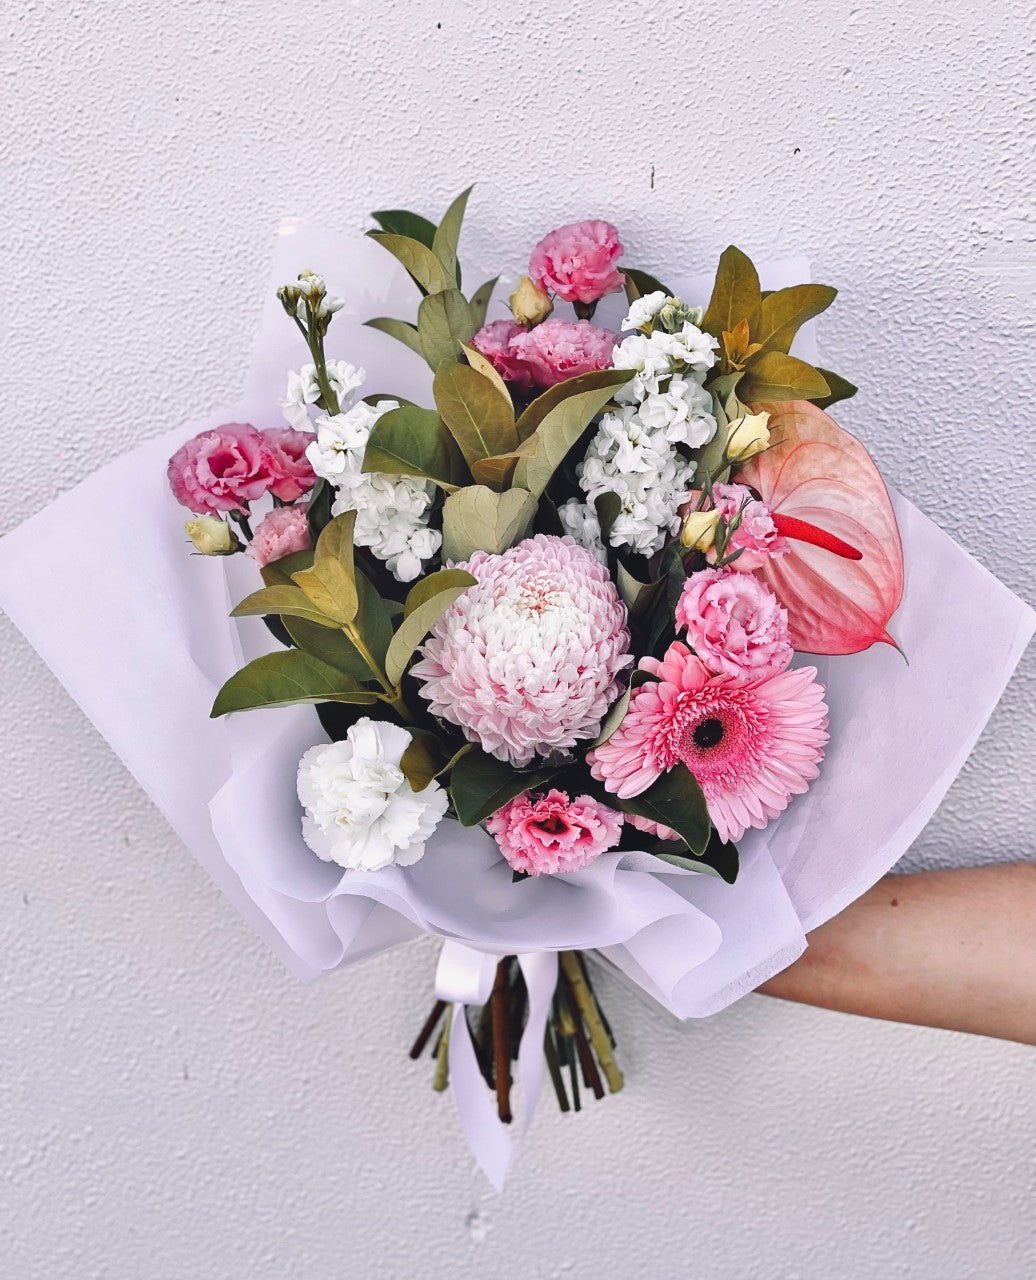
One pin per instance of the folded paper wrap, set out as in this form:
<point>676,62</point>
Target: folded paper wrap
<point>900,731</point>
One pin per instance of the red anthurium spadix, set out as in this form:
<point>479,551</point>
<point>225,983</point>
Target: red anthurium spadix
<point>843,578</point>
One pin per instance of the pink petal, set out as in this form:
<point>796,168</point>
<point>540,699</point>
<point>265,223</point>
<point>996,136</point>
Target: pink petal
<point>817,472</point>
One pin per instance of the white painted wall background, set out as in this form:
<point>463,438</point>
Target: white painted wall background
<point>171,1103</point>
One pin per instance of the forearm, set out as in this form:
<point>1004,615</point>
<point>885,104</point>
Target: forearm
<point>953,949</point>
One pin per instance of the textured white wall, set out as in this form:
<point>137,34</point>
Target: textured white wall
<point>171,1103</point>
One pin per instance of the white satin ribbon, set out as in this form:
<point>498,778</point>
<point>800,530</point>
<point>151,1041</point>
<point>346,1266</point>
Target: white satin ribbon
<point>465,976</point>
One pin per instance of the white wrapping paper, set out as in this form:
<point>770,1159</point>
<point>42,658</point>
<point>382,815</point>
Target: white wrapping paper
<point>899,732</point>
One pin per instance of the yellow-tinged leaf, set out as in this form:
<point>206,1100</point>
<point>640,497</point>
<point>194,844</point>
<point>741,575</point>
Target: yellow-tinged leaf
<point>485,367</point>
<point>772,375</point>
<point>444,321</point>
<point>426,588</point>
<point>330,587</point>
<point>447,234</point>
<point>414,442</point>
<point>417,258</point>
<point>477,519</point>
<point>285,600</point>
<point>420,761</point>
<point>285,677</point>
<point>735,295</point>
<point>416,625</point>
<point>479,418</point>
<point>497,473</point>
<point>785,311</point>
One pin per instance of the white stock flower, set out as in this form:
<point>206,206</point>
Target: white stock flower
<point>644,310</point>
<point>304,390</point>
<point>391,514</point>
<point>689,346</point>
<point>579,521</point>
<point>360,810</point>
<point>650,360</point>
<point>683,412</point>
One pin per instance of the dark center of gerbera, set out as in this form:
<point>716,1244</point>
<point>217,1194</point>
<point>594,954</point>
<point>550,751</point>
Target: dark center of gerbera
<point>709,733</point>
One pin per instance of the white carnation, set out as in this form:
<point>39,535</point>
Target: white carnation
<point>304,390</point>
<point>360,810</point>
<point>644,310</point>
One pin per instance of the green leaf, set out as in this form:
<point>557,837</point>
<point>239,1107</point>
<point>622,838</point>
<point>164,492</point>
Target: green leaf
<point>555,396</point>
<point>479,418</point>
<point>414,442</point>
<point>420,761</point>
<point>608,506</point>
<point>636,595</point>
<point>719,859</point>
<point>618,710</point>
<point>282,678</point>
<point>676,801</point>
<point>373,620</point>
<point>416,625</point>
<point>772,375</point>
<point>286,602</point>
<point>640,283</point>
<point>443,323</point>
<point>428,587</point>
<point>735,295</point>
<point>447,235</point>
<point>277,573</point>
<point>480,301</point>
<point>318,509</point>
<point>333,647</point>
<point>402,222</point>
<point>480,784</point>
<point>544,451</point>
<point>399,329</point>
<point>417,258</point>
<point>840,389</point>
<point>477,519</point>
<point>336,541</point>
<point>785,311</point>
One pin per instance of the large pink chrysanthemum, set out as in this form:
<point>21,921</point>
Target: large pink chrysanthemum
<point>528,660</point>
<point>752,746</point>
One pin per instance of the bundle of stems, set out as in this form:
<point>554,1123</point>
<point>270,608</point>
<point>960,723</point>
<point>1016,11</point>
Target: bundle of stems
<point>578,1042</point>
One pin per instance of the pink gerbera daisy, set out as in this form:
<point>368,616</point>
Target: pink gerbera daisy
<point>752,746</point>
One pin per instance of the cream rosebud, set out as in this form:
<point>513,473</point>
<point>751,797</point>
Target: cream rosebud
<point>698,531</point>
<point>529,303</point>
<point>212,536</point>
<point>747,436</point>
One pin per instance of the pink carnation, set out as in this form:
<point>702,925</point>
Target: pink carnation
<point>756,537</point>
<point>220,470</point>
<point>281,533</point>
<point>547,834</point>
<point>752,746</point>
<point>559,349</point>
<point>734,623</point>
<point>577,262</point>
<point>528,660</point>
<point>494,341</point>
<point>290,472</point>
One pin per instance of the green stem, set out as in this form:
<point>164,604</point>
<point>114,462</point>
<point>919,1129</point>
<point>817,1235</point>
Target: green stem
<point>315,342</point>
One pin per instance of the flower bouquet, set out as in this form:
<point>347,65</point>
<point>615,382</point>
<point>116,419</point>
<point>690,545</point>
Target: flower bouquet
<point>523,619</point>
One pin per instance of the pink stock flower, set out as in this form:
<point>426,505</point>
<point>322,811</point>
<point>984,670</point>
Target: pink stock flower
<point>734,623</point>
<point>220,470</point>
<point>494,341</point>
<point>281,533</point>
<point>756,537</point>
<point>752,746</point>
<point>577,262</point>
<point>559,349</point>
<point>291,474</point>
<point>527,661</point>
<point>546,834</point>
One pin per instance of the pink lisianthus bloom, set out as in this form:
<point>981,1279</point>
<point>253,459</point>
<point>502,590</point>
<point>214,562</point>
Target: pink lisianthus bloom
<point>756,537</point>
<point>281,533</point>
<point>290,471</point>
<point>528,660</point>
<point>751,745</point>
<point>220,470</point>
<point>494,341</point>
<point>734,623</point>
<point>577,262</point>
<point>546,834</point>
<point>559,349</point>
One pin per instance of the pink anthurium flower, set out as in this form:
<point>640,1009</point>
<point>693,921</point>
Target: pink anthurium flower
<point>842,580</point>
